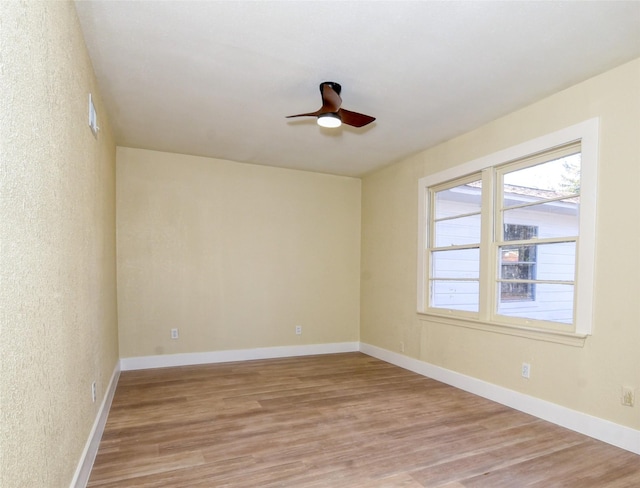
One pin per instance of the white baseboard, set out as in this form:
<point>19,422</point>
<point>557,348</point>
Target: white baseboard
<point>193,358</point>
<point>81,476</point>
<point>603,430</point>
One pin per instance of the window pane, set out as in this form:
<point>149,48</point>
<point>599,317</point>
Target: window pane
<point>545,262</point>
<point>458,231</point>
<point>557,261</point>
<point>461,200</point>
<point>552,302</point>
<point>560,177</point>
<point>463,263</point>
<point>553,219</point>
<point>457,295</point>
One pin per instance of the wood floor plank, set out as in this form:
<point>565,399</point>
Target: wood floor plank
<point>342,420</point>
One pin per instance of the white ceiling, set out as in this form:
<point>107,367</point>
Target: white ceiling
<point>217,78</point>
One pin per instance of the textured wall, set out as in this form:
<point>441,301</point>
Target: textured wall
<point>234,255</point>
<point>587,379</point>
<point>57,217</point>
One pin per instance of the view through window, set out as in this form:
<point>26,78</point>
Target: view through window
<point>501,242</point>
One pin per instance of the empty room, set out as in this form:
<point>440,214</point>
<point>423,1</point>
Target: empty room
<point>314,244</point>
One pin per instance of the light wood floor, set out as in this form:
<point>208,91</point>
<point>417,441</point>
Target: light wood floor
<point>339,421</point>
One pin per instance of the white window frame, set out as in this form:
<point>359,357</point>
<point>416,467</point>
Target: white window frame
<point>587,134</point>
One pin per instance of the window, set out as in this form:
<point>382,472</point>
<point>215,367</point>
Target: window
<point>455,256</point>
<point>499,236</point>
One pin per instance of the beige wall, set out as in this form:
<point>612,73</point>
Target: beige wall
<point>57,215</point>
<point>586,379</point>
<point>233,255</point>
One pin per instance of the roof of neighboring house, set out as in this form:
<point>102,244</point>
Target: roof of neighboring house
<point>539,193</point>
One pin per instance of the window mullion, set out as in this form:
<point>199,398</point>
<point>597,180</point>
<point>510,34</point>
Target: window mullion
<point>487,254</point>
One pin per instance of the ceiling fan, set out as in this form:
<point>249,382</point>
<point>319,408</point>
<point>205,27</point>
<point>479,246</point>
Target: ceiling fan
<point>331,115</point>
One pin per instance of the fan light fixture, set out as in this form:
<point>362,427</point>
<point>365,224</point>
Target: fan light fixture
<point>329,120</point>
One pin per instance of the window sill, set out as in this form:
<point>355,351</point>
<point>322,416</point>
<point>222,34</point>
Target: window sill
<point>558,337</point>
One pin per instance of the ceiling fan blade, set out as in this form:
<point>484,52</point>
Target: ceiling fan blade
<point>354,119</point>
<point>331,100</point>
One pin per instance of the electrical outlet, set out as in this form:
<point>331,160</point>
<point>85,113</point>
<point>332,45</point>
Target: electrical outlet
<point>526,370</point>
<point>94,392</point>
<point>298,329</point>
<point>174,333</point>
<point>627,398</point>
<point>401,346</point>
